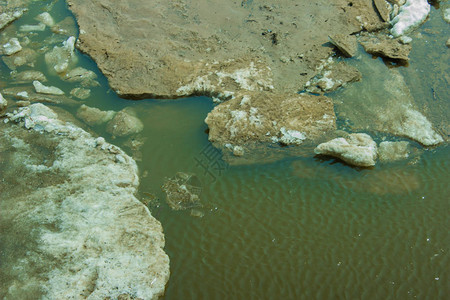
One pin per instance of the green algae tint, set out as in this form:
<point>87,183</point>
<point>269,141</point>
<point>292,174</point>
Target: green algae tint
<point>299,228</point>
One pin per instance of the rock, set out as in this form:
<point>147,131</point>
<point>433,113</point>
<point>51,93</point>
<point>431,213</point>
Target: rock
<point>183,191</point>
<point>3,104</point>
<point>66,27</point>
<point>94,116</point>
<point>81,93</point>
<point>405,39</point>
<point>273,118</point>
<point>31,28</point>
<point>412,124</point>
<point>411,15</point>
<point>392,151</point>
<point>29,94</point>
<point>124,124</point>
<point>25,57</point>
<point>29,76</point>
<point>333,76</point>
<point>10,16</point>
<point>446,14</point>
<point>238,151</point>
<point>448,43</point>
<point>51,90</point>
<point>46,19</point>
<point>345,43</point>
<point>384,104</point>
<point>388,48</point>
<point>384,9</point>
<point>80,74</point>
<point>59,58</point>
<point>75,210</point>
<point>11,47</point>
<point>357,149</point>
<point>189,48</point>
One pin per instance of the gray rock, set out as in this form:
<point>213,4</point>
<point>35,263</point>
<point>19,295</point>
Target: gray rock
<point>94,116</point>
<point>357,149</point>
<point>392,151</point>
<point>82,231</point>
<point>124,124</point>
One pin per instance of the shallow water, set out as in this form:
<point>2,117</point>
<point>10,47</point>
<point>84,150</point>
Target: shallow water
<point>299,228</point>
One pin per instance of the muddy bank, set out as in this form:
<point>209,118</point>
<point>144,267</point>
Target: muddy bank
<point>71,224</point>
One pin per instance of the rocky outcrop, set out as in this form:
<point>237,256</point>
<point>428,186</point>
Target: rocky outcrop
<point>267,117</point>
<point>357,149</point>
<point>73,224</point>
<point>187,43</point>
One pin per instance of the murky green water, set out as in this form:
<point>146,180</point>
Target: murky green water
<point>300,228</point>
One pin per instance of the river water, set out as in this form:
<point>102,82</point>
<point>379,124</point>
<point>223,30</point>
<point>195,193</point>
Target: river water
<point>298,228</point>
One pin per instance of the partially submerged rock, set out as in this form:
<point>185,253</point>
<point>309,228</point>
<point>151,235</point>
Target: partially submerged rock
<point>414,125</point>
<point>29,76</point>
<point>72,219</point>
<point>24,57</point>
<point>333,76</point>
<point>124,123</point>
<point>357,149</point>
<point>3,104</point>
<point>392,151</point>
<point>267,117</point>
<point>347,44</point>
<point>12,46</point>
<point>32,28</point>
<point>29,94</point>
<point>9,16</point>
<point>46,19</point>
<point>411,14</point>
<point>79,74</point>
<point>59,58</point>
<point>183,191</point>
<point>388,48</point>
<point>80,93</point>
<point>94,116</point>
<point>51,90</point>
